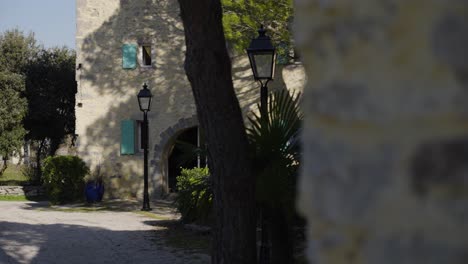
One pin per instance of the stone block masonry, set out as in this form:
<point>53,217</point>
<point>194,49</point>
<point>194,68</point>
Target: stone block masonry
<point>28,191</point>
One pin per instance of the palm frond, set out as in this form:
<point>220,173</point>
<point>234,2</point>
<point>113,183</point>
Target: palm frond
<point>275,144</point>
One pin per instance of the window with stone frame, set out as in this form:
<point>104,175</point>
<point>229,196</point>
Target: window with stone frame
<point>146,58</point>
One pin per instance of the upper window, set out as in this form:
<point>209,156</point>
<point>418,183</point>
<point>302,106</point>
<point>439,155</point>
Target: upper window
<point>146,55</point>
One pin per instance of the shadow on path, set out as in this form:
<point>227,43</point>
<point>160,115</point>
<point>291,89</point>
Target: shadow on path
<point>87,242</point>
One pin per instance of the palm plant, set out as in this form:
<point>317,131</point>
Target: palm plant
<point>274,139</point>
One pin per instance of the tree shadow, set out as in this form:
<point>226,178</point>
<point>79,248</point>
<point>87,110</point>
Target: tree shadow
<point>72,243</point>
<point>35,205</point>
<point>177,236</point>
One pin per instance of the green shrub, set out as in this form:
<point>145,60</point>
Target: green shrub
<point>195,195</point>
<point>63,178</point>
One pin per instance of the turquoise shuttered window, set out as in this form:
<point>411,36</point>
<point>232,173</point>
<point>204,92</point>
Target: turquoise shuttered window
<point>129,56</point>
<point>127,140</point>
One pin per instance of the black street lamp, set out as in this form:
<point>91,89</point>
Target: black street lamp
<point>262,56</point>
<point>144,101</point>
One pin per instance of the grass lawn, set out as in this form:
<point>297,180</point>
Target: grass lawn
<point>20,198</point>
<point>13,176</point>
<point>13,198</point>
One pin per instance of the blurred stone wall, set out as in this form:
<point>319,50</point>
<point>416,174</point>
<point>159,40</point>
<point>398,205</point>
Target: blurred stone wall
<point>385,175</point>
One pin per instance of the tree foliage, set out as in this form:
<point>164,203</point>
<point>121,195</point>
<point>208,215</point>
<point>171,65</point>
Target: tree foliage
<point>242,19</point>
<point>12,111</point>
<point>43,78</point>
<point>50,90</point>
<point>16,50</point>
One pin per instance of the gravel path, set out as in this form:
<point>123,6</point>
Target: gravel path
<point>31,234</point>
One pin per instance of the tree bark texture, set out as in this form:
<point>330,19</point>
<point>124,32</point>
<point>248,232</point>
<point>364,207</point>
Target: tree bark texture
<point>208,69</point>
<point>385,141</point>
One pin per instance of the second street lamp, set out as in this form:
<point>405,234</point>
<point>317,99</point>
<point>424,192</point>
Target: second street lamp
<point>144,101</point>
<point>262,57</point>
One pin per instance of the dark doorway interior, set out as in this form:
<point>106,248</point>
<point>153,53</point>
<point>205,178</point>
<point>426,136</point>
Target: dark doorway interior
<point>182,155</point>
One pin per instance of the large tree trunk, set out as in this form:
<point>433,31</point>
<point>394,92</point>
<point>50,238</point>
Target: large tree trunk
<point>385,165</point>
<point>208,69</point>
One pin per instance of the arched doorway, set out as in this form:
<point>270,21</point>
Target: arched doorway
<point>182,155</point>
<point>165,147</point>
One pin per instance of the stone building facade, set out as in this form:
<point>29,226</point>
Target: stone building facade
<point>385,168</point>
<point>120,45</point>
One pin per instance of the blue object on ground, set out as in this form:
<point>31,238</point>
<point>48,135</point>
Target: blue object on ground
<point>94,191</point>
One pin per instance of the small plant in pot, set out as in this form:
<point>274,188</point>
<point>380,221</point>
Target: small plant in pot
<point>94,188</point>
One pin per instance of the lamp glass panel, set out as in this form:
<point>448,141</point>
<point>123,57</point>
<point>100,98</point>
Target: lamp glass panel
<point>263,62</point>
<point>144,103</point>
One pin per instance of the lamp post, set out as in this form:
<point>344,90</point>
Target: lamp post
<point>144,101</point>
<point>262,57</point>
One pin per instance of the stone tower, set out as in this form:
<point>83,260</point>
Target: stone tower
<point>120,45</point>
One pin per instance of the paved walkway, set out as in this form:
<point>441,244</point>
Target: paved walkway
<point>30,232</point>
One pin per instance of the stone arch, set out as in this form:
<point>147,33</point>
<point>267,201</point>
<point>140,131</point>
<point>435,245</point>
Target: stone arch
<point>161,149</point>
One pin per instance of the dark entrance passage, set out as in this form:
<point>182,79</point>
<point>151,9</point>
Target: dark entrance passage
<point>182,155</point>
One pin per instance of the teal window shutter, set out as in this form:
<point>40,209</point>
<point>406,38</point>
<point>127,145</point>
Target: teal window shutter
<point>127,140</point>
<point>129,56</point>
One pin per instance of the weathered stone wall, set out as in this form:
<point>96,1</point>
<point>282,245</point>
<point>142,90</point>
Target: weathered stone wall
<point>28,191</point>
<point>108,93</point>
<point>385,175</point>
